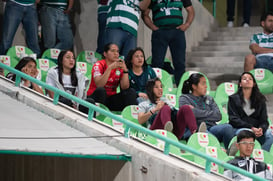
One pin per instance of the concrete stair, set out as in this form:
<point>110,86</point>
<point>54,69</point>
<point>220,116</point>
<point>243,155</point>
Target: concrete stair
<point>221,56</point>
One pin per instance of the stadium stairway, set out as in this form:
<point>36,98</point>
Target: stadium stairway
<point>221,55</point>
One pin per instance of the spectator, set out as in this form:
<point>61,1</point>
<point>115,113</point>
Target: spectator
<point>16,12</point>
<point>261,46</point>
<point>247,109</point>
<point>204,108</point>
<point>56,27</point>
<point>122,23</point>
<point>102,16</point>
<point>28,66</point>
<point>169,30</point>
<point>107,75</point>
<point>245,144</point>
<point>139,72</point>
<point>158,113</point>
<point>65,78</point>
<point>230,12</point>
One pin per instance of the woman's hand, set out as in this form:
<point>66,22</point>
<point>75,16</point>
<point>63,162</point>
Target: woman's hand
<point>143,95</point>
<point>159,105</point>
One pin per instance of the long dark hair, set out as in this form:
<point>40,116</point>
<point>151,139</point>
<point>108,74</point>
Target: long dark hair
<point>74,79</point>
<point>256,98</point>
<point>21,64</point>
<point>106,48</point>
<point>149,89</point>
<point>194,79</point>
<point>130,57</point>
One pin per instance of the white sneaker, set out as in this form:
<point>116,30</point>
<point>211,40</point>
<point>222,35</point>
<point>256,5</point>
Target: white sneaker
<point>230,24</point>
<point>202,128</point>
<point>168,126</point>
<point>245,25</point>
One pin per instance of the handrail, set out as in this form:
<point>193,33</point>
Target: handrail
<point>128,124</point>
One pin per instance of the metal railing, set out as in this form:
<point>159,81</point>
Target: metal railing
<point>129,124</point>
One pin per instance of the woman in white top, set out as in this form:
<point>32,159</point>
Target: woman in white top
<point>66,78</point>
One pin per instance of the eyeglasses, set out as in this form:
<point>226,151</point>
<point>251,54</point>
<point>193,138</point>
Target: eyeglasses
<point>247,143</point>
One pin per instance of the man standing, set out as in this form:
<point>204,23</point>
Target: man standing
<point>56,27</point>
<point>17,11</point>
<point>261,46</point>
<point>122,23</point>
<point>245,145</point>
<point>169,30</point>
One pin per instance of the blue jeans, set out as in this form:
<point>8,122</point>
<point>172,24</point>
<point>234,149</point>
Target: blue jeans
<point>101,34</point>
<point>265,62</point>
<point>265,140</point>
<point>175,39</point>
<point>13,16</point>
<point>123,39</point>
<point>56,29</point>
<point>223,132</point>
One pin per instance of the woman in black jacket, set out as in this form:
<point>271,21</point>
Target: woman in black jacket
<point>247,110</point>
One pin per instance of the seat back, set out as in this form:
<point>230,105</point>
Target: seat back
<point>85,68</point>
<point>161,144</point>
<point>16,53</point>
<point>5,59</point>
<point>165,78</point>
<point>198,140</point>
<point>51,54</point>
<point>213,152</point>
<point>43,65</point>
<point>264,80</point>
<point>89,56</point>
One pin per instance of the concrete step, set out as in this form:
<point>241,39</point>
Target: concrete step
<point>215,64</point>
<point>217,53</point>
<point>216,59</point>
<point>222,48</point>
<point>222,69</point>
<point>231,43</point>
<point>227,38</point>
<point>253,29</point>
<point>233,33</point>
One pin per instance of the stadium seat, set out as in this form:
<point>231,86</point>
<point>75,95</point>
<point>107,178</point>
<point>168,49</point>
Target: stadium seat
<point>185,76</point>
<point>262,155</point>
<point>161,144</point>
<point>43,65</point>
<point>85,68</point>
<point>88,56</point>
<point>7,61</point>
<point>221,98</point>
<point>264,79</point>
<point>99,116</point>
<point>51,54</point>
<point>213,152</point>
<point>149,61</point>
<point>198,140</point>
<point>172,99</point>
<point>17,52</point>
<point>131,113</point>
<point>166,80</point>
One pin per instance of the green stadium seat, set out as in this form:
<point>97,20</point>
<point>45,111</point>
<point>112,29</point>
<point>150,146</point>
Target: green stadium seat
<point>130,113</point>
<point>43,65</point>
<point>166,80</point>
<point>99,116</point>
<point>85,68</point>
<point>51,54</point>
<point>198,140</point>
<point>172,99</point>
<point>161,144</point>
<point>264,79</point>
<point>88,56</point>
<point>213,152</point>
<point>7,61</point>
<point>17,52</point>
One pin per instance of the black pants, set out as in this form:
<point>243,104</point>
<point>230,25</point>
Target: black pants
<point>247,10</point>
<point>115,102</point>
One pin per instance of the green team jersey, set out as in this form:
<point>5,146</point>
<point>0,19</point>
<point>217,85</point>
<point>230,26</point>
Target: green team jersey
<point>26,2</point>
<point>168,13</point>
<point>60,4</point>
<point>263,40</point>
<point>124,14</point>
